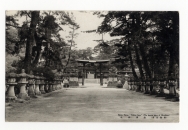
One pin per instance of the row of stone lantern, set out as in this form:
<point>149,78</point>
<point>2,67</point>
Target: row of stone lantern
<point>154,86</point>
<point>36,85</point>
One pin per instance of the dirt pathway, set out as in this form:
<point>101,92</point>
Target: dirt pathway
<point>93,104</point>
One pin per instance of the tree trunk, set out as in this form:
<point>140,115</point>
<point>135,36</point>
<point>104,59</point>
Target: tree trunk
<point>171,63</point>
<point>31,40</point>
<point>36,60</point>
<point>69,50</point>
<point>39,48</point>
<point>144,58</point>
<point>139,62</point>
<point>131,60</point>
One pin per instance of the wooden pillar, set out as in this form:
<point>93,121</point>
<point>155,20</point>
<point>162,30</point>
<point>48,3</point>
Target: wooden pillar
<point>101,76</point>
<point>83,74</point>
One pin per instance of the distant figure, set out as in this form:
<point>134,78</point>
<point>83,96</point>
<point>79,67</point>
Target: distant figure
<point>66,83</point>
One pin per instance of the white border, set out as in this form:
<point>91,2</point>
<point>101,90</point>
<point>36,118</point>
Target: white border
<point>136,5</point>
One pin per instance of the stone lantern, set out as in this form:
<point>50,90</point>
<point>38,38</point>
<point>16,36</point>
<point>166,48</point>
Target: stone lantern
<point>56,83</point>
<point>50,85</point>
<point>31,82</point>
<point>147,88</point>
<point>143,85</point>
<point>135,84</point>
<point>162,83</point>
<point>42,83</point>
<point>53,85</point>
<point>131,83</point>
<point>126,86</point>
<point>172,84</point>
<point>46,86</point>
<point>139,83</point>
<point>23,82</point>
<point>155,86</point>
<point>37,83</point>
<point>59,83</point>
<point>11,82</point>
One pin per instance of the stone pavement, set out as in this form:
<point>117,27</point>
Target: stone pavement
<point>94,103</point>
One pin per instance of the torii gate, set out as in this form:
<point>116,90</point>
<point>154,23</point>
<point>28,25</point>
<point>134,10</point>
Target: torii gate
<point>92,61</point>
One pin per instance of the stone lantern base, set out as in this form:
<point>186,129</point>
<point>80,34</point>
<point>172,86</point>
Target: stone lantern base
<point>142,88</point>
<point>161,92</point>
<point>31,92</point>
<point>23,94</point>
<point>46,88</point>
<point>42,89</point>
<point>10,93</point>
<point>50,88</point>
<point>133,88</point>
<point>147,90</point>
<point>126,86</point>
<point>138,88</point>
<point>53,87</point>
<point>37,91</point>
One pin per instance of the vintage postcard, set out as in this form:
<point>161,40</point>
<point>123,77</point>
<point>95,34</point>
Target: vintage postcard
<point>92,66</point>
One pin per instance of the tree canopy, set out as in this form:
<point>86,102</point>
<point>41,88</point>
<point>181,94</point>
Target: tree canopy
<point>149,39</point>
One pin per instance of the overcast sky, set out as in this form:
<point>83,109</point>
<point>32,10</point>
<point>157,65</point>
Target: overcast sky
<point>87,21</point>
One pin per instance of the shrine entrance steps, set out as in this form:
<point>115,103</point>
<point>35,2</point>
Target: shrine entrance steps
<point>92,85</point>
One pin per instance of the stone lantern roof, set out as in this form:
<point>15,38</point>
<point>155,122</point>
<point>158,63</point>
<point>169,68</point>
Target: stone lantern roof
<point>23,77</point>
<point>12,75</point>
<point>31,76</point>
<point>23,74</point>
<point>11,78</point>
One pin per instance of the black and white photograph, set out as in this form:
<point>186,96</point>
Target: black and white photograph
<point>92,66</point>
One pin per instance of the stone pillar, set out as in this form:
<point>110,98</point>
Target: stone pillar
<point>46,86</point>
<point>143,86</point>
<point>101,75</point>
<point>161,90</point>
<point>53,86</point>
<point>60,83</point>
<point>37,82</point>
<point>139,83</point>
<point>83,74</point>
<point>57,84</point>
<point>42,83</point>
<point>172,90</point>
<point>22,82</point>
<point>135,84</point>
<point>50,86</point>
<point>126,84</point>
<point>10,90</point>
<point>132,86</point>
<point>131,83</point>
<point>155,85</point>
<point>147,88</point>
<point>31,83</point>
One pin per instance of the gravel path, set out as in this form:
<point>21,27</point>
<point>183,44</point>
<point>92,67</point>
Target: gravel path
<point>93,103</point>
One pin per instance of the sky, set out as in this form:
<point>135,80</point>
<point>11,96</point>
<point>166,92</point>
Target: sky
<point>87,21</point>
